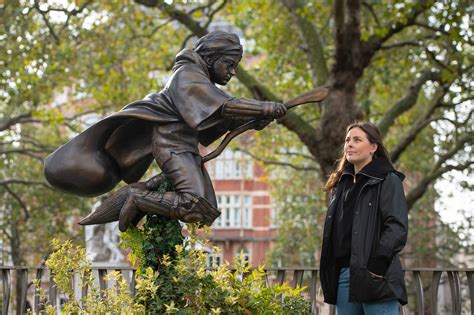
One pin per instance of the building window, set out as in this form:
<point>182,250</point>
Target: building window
<point>214,260</point>
<point>247,209</point>
<point>236,211</point>
<point>230,165</point>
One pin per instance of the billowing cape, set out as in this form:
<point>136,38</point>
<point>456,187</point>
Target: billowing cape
<point>118,147</point>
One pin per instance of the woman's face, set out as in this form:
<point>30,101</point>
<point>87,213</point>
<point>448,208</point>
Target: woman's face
<point>358,149</point>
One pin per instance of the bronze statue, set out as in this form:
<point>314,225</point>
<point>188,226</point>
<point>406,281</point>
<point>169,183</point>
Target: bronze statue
<point>166,126</point>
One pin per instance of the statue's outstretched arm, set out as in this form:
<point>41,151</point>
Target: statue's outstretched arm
<point>243,107</point>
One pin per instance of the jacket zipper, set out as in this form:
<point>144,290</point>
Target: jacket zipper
<point>366,184</point>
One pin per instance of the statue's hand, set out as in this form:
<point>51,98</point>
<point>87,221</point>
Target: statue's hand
<point>262,123</point>
<point>153,183</point>
<point>273,110</point>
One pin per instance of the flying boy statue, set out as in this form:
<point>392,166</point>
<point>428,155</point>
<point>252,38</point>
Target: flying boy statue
<point>166,126</point>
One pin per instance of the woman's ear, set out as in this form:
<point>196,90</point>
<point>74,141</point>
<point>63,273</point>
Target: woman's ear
<point>375,147</point>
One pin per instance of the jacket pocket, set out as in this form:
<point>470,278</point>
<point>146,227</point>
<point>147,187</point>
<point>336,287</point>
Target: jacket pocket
<point>367,288</point>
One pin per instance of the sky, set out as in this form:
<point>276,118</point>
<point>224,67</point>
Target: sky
<point>456,204</point>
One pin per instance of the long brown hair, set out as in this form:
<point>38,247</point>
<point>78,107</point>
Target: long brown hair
<point>373,135</point>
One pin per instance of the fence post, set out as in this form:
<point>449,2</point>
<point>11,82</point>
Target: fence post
<point>453,277</point>
<point>419,292</point>
<point>6,290</point>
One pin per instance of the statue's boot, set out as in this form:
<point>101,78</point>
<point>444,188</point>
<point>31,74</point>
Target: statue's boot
<point>178,206</point>
<point>109,209</point>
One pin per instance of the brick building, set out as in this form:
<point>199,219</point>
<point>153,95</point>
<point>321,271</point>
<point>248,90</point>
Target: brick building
<point>242,191</point>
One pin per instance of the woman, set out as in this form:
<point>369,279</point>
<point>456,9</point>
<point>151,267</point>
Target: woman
<point>366,226</point>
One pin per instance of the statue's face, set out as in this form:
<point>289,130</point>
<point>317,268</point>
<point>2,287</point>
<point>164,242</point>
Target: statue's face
<point>223,69</point>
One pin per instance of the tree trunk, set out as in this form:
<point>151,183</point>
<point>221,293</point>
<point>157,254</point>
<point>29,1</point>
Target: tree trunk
<point>339,111</point>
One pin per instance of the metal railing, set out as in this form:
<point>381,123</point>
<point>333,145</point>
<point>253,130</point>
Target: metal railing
<point>427,288</point>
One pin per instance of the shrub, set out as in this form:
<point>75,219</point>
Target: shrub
<point>172,278</point>
<point>186,286</point>
<point>68,262</point>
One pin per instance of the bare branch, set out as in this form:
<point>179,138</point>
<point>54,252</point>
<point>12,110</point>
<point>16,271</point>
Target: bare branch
<point>375,42</point>
<point>272,162</point>
<point>46,21</point>
<point>176,14</point>
<point>372,12</point>
<point>433,57</point>
<point>27,152</point>
<point>20,202</point>
<point>73,13</point>
<point>407,101</point>
<point>9,237</point>
<point>305,156</point>
<point>437,170</point>
<point>419,125</point>
<point>432,28</point>
<point>9,122</point>
<point>154,30</point>
<point>27,140</point>
<point>202,7</point>
<point>23,182</point>
<point>401,44</point>
<point>211,16</point>
<point>403,144</point>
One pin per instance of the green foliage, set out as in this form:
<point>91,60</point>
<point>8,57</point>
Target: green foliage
<point>68,262</point>
<point>185,286</point>
<point>181,285</point>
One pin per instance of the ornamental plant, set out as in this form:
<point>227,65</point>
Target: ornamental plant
<point>172,277</point>
<point>182,284</point>
<point>68,262</point>
<point>185,284</point>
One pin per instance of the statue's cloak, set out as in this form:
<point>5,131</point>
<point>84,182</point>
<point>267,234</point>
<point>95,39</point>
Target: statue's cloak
<point>119,147</point>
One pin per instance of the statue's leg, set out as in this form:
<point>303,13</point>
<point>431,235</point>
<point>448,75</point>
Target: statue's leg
<point>192,201</point>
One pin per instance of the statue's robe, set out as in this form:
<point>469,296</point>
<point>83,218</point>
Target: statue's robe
<point>119,147</point>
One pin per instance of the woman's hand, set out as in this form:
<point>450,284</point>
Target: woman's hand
<point>374,275</point>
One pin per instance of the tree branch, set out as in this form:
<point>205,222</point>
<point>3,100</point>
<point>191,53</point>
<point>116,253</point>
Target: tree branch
<point>375,42</point>
<point>407,101</point>
<point>270,162</point>
<point>211,16</point>
<point>311,38</point>
<point>73,13</point>
<point>202,7</point>
<point>372,12</point>
<point>46,21</point>
<point>23,182</point>
<point>27,152</point>
<point>20,202</point>
<point>431,28</point>
<point>305,156</point>
<point>9,122</point>
<point>419,125</point>
<point>437,170</point>
<point>401,44</point>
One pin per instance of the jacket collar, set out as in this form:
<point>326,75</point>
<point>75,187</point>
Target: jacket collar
<point>377,169</point>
